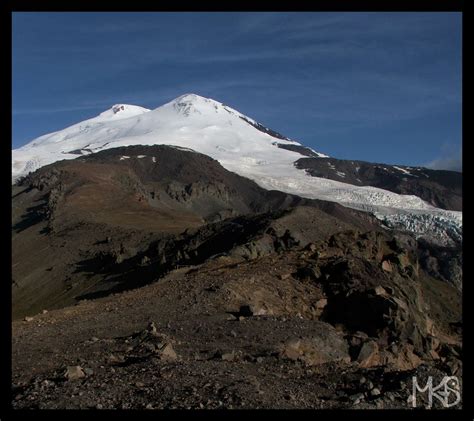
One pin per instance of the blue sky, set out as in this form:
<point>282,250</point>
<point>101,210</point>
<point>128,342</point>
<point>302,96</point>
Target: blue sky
<point>382,87</point>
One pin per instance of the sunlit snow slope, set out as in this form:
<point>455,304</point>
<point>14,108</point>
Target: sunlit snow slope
<point>241,145</point>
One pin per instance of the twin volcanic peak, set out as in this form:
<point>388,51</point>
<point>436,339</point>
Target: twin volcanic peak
<point>241,145</point>
<point>189,121</point>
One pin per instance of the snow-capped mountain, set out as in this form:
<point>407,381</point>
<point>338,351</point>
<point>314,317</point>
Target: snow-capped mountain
<point>241,145</point>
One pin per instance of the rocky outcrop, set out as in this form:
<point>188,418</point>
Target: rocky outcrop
<point>373,289</point>
<point>303,150</point>
<point>442,189</point>
<point>193,191</point>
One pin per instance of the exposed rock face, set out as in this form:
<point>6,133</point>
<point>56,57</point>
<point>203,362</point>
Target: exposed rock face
<point>442,189</point>
<point>264,129</point>
<point>303,150</point>
<point>372,285</point>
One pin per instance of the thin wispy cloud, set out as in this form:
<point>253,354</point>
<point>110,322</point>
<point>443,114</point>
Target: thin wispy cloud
<point>53,110</point>
<point>450,158</point>
<point>153,98</point>
<point>449,163</point>
<point>316,76</point>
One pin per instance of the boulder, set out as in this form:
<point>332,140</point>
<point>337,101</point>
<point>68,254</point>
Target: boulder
<point>369,354</point>
<point>404,359</point>
<point>74,372</point>
<point>168,353</point>
<point>387,266</point>
<point>375,392</point>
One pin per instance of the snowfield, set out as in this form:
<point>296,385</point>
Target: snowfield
<point>192,122</point>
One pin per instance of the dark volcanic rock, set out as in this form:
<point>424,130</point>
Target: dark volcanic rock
<point>440,188</point>
<point>363,296</point>
<point>303,150</point>
<point>169,209</point>
<point>443,263</point>
<point>264,129</point>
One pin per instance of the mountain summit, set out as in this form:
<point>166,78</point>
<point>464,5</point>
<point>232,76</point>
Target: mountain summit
<point>189,121</point>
